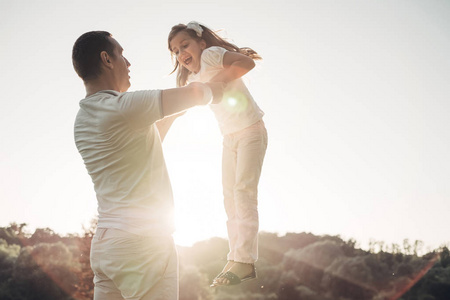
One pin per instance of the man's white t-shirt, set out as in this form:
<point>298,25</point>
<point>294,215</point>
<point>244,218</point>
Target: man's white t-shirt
<point>238,109</point>
<point>117,138</point>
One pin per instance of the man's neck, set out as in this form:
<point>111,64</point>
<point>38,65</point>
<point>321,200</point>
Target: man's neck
<point>97,85</point>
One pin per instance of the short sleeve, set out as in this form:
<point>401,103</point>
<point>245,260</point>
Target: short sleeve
<point>141,108</point>
<point>213,56</point>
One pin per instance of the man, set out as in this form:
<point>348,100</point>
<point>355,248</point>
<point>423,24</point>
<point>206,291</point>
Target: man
<point>118,135</point>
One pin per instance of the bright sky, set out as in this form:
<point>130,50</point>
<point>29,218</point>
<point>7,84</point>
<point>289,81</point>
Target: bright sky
<point>356,96</point>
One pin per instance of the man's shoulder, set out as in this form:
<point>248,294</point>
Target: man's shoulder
<point>99,97</point>
<point>102,94</point>
<point>117,97</point>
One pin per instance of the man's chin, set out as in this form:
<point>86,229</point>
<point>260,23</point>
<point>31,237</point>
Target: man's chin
<point>127,87</point>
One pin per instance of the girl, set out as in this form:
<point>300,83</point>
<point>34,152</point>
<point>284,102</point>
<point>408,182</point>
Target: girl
<point>203,56</point>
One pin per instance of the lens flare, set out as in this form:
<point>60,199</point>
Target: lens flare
<point>231,101</point>
<point>235,101</point>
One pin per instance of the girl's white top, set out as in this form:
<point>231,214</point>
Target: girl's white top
<point>237,110</point>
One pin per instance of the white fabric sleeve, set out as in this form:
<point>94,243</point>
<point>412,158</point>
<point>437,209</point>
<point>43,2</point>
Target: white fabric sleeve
<point>213,56</point>
<point>141,108</point>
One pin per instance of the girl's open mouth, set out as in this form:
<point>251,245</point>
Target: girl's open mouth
<point>188,60</point>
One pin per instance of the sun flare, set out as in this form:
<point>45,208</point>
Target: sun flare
<point>193,153</point>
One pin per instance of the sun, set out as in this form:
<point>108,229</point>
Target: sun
<point>193,155</point>
<point>197,220</point>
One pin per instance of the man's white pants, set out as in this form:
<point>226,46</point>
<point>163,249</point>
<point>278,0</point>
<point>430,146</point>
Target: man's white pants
<point>132,267</point>
<point>242,160</point>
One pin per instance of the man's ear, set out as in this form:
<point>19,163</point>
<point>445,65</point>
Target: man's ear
<point>106,59</point>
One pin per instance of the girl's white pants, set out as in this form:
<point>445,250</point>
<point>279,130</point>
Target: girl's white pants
<point>242,160</point>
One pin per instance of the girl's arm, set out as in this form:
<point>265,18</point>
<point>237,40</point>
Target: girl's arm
<point>235,66</point>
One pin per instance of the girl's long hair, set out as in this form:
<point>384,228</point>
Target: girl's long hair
<point>212,39</point>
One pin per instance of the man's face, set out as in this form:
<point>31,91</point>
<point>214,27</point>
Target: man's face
<point>121,65</point>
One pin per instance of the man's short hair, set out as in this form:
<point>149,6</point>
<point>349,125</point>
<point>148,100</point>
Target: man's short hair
<point>86,53</point>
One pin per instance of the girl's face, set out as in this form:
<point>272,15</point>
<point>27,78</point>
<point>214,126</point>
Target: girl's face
<point>187,50</point>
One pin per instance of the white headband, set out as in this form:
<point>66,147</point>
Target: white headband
<point>196,27</point>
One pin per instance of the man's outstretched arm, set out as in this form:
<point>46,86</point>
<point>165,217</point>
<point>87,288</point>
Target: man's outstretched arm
<point>177,100</point>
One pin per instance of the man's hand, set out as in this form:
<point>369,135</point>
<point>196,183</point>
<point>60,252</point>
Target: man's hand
<point>217,91</point>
